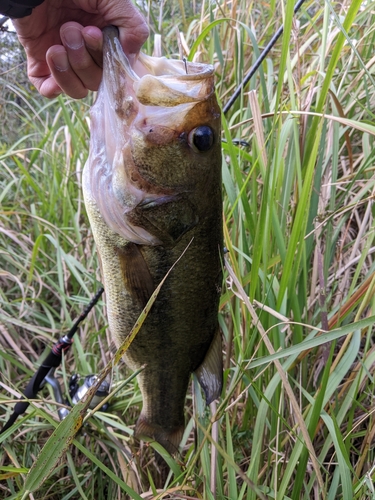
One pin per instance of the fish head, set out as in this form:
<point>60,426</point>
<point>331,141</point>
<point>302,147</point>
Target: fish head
<point>155,145</point>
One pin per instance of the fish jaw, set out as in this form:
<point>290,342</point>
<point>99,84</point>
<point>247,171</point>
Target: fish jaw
<point>150,193</point>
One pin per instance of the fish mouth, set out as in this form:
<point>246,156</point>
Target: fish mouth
<point>160,81</point>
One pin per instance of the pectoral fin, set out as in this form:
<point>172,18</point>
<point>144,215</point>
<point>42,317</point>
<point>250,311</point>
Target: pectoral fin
<point>210,372</point>
<point>136,274</point>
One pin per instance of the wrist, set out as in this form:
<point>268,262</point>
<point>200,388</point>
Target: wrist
<point>17,9</point>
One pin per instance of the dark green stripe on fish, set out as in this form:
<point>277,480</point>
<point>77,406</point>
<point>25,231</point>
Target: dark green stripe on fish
<point>152,185</point>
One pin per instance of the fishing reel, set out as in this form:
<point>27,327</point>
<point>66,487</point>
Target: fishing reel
<point>77,391</point>
<point>46,374</point>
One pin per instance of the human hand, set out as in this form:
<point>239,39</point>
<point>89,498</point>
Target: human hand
<point>63,42</point>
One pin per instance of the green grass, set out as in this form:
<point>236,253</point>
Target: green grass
<point>295,420</point>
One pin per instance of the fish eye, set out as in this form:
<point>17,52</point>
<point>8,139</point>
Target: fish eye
<point>201,138</point>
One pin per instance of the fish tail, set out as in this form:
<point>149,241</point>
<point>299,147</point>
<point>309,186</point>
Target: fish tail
<point>168,438</point>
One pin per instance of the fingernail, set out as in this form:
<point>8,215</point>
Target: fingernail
<point>72,37</point>
<point>60,61</point>
<point>92,42</point>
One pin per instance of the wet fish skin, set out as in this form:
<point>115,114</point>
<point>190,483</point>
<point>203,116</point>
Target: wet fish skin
<point>150,193</point>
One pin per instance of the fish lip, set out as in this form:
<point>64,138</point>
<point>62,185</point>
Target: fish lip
<point>112,47</point>
<point>111,31</point>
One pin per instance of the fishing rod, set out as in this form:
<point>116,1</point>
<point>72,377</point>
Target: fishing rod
<point>258,62</point>
<point>45,373</point>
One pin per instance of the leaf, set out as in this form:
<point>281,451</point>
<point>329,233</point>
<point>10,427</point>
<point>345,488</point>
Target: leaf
<point>8,472</point>
<point>203,35</point>
<point>310,343</point>
<point>342,456</point>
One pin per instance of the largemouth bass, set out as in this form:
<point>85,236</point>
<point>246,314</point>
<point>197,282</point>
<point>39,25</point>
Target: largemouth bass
<point>152,189</point>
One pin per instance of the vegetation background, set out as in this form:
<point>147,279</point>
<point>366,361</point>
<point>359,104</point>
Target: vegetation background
<point>296,417</point>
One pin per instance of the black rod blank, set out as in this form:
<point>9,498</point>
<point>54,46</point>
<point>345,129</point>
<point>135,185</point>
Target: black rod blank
<point>258,62</point>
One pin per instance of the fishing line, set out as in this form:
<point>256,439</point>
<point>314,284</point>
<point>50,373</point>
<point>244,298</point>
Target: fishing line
<point>258,62</point>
